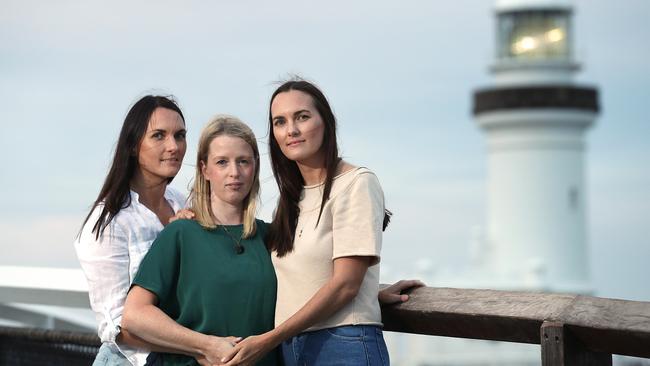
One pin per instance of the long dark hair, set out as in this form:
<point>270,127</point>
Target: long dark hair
<point>115,193</point>
<point>287,175</point>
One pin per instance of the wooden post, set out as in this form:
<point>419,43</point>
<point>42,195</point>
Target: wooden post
<point>561,348</point>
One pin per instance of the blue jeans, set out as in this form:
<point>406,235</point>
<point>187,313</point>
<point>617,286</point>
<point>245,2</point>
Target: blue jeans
<point>109,356</point>
<point>353,345</point>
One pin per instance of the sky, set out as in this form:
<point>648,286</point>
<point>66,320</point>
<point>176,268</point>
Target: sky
<point>400,76</point>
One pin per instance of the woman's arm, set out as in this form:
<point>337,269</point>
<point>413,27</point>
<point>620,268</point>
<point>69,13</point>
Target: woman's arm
<point>144,320</point>
<point>344,285</point>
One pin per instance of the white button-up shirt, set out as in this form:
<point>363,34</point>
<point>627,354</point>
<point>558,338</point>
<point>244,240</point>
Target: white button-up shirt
<point>111,262</point>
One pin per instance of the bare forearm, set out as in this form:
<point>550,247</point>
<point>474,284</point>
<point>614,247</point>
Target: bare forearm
<point>151,325</point>
<point>328,299</point>
<point>126,337</point>
<point>347,275</point>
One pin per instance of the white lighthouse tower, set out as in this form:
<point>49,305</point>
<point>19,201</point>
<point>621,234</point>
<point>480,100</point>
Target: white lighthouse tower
<point>534,119</point>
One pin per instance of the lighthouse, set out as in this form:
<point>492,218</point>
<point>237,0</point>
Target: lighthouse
<point>534,118</point>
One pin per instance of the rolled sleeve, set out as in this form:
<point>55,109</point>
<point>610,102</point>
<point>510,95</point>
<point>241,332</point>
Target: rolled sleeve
<point>357,216</point>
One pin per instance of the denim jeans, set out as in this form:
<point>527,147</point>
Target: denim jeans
<point>110,356</point>
<point>352,345</point>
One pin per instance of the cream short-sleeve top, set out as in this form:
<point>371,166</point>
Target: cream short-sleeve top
<point>350,225</point>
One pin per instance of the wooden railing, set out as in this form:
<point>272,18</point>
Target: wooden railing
<point>572,330</point>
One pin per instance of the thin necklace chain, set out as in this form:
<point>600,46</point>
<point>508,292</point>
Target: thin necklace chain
<point>239,249</point>
<point>307,218</point>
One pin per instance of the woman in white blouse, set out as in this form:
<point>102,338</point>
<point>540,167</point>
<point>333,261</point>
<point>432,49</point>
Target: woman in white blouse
<point>133,206</point>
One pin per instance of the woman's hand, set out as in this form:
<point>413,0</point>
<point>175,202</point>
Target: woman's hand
<point>215,349</point>
<point>250,350</point>
<point>184,213</point>
<point>393,293</point>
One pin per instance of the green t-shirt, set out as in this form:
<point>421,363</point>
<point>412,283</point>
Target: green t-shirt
<point>204,285</point>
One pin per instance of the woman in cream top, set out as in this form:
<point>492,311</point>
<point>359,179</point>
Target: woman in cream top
<point>326,241</point>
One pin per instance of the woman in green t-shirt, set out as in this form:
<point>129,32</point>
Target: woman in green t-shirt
<point>212,275</point>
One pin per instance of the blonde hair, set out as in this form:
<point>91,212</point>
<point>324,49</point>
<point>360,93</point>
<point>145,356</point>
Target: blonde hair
<point>224,125</point>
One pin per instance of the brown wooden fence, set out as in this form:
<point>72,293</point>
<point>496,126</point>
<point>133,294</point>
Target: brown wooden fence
<point>571,329</point>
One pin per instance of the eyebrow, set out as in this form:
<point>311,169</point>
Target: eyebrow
<point>165,131</point>
<point>294,113</point>
<point>236,157</point>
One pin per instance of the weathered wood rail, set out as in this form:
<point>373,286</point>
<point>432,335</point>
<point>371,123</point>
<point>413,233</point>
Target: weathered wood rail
<point>571,329</point>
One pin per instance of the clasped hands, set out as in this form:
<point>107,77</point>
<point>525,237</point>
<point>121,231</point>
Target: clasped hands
<point>231,351</point>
